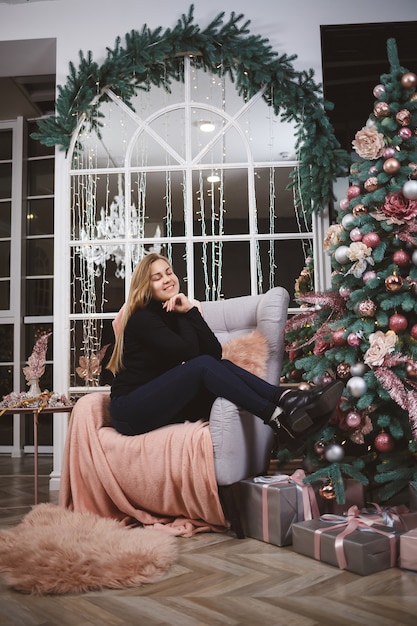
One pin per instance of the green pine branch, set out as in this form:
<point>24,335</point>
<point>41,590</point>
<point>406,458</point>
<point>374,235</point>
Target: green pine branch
<point>153,58</point>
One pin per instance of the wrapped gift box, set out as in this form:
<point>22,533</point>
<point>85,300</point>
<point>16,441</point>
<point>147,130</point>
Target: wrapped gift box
<point>354,496</point>
<point>412,491</point>
<point>397,517</point>
<point>408,550</point>
<point>269,506</point>
<point>348,545</point>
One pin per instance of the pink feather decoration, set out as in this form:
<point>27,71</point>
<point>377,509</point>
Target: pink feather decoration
<point>36,362</point>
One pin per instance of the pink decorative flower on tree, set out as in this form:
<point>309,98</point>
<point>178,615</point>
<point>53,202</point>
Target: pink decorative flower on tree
<point>398,209</point>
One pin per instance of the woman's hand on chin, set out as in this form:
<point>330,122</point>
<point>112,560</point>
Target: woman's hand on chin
<point>179,304</point>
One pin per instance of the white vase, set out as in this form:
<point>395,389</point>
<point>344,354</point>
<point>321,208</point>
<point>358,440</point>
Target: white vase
<point>34,389</point>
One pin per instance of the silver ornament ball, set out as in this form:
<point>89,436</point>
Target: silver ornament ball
<point>334,453</point>
<point>347,221</point>
<point>356,386</point>
<point>341,254</point>
<point>370,123</point>
<point>358,369</point>
<point>410,190</point>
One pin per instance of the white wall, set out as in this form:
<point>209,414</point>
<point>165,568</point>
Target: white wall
<point>291,26</point>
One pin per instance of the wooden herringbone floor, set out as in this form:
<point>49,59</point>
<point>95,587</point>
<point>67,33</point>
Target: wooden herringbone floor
<point>218,580</point>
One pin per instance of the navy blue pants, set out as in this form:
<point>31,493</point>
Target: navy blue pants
<point>187,392</point>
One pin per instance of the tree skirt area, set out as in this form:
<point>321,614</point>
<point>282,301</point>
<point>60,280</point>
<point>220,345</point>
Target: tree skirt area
<point>55,551</point>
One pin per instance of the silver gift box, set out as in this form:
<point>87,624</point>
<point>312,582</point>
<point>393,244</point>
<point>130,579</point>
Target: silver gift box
<point>268,509</point>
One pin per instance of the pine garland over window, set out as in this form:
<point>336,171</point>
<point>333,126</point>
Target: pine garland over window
<point>153,58</point>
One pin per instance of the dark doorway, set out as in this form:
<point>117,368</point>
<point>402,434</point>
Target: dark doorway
<point>354,56</point>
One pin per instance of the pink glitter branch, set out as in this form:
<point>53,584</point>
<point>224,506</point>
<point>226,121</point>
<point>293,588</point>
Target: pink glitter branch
<point>331,300</point>
<point>412,409</point>
<point>301,320</point>
<point>36,362</point>
<point>395,387</point>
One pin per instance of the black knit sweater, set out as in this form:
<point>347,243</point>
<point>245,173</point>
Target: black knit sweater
<point>156,340</point>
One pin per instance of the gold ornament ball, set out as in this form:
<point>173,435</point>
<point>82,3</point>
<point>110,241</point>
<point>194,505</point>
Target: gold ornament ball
<point>304,387</point>
<point>393,282</point>
<point>327,492</point>
<point>391,166</point>
<point>411,370</point>
<point>381,109</point>
<point>414,169</point>
<point>343,370</point>
<point>359,209</point>
<point>367,308</point>
<point>403,117</point>
<point>370,184</point>
<point>409,80</point>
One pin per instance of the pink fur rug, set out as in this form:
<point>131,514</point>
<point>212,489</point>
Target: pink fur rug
<point>55,551</point>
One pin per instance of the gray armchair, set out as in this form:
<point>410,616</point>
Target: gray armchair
<point>168,474</point>
<point>242,443</point>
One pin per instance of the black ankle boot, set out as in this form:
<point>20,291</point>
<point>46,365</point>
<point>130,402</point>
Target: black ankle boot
<point>305,413</point>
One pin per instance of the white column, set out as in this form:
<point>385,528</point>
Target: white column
<point>62,280</point>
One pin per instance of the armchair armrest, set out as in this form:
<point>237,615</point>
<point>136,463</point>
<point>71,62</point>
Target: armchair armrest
<point>242,443</point>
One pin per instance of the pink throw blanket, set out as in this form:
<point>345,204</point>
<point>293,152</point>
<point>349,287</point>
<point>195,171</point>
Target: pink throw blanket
<point>164,479</point>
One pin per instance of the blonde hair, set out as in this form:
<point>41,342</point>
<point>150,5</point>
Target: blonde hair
<point>140,294</point>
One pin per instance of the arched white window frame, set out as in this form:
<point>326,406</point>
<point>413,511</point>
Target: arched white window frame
<point>64,243</point>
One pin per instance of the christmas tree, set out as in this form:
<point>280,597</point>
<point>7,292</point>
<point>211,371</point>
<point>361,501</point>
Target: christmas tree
<point>363,330</point>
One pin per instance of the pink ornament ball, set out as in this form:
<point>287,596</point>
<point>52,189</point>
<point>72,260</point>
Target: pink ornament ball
<point>371,240</point>
<point>397,322</point>
<point>369,275</point>
<point>353,192</point>
<point>389,152</point>
<point>383,442</point>
<point>355,234</point>
<point>353,419</point>
<point>326,379</point>
<point>401,258</point>
<point>405,133</point>
<point>338,337</point>
<point>344,292</point>
<point>379,90</point>
<point>344,204</point>
<point>413,331</point>
<point>353,340</point>
<point>319,447</point>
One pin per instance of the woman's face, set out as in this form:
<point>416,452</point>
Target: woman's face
<point>164,283</point>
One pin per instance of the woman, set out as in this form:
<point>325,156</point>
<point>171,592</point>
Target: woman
<point>168,367</point>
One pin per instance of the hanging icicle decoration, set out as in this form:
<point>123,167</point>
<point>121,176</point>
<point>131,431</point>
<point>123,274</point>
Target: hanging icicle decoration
<point>272,218</point>
<point>299,201</point>
<point>203,233</point>
<point>184,202</point>
<point>90,339</point>
<point>168,210</point>
<point>219,261</point>
<point>258,251</point>
<point>215,244</point>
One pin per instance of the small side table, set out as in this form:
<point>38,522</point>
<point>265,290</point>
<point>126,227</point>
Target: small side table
<point>36,412</point>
